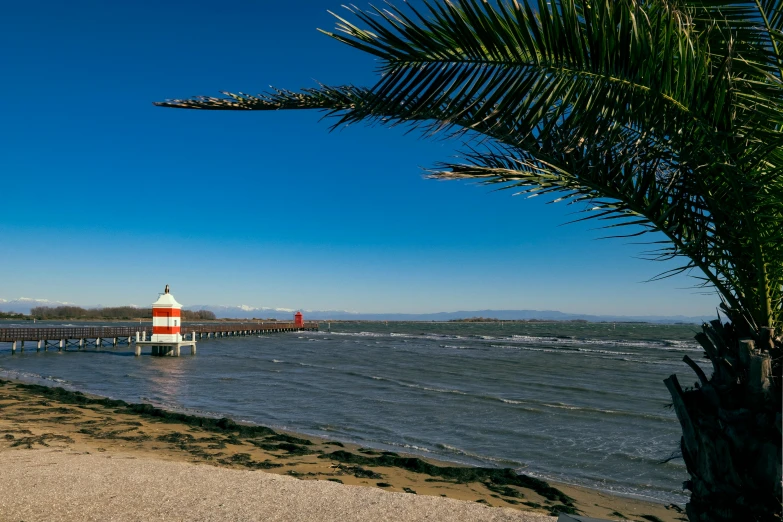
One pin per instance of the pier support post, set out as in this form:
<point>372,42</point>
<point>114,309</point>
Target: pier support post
<point>138,348</point>
<point>144,335</point>
<point>62,345</point>
<point>193,349</point>
<point>137,337</point>
<point>115,342</point>
<point>13,347</point>
<point>38,348</point>
<point>81,343</point>
<point>22,346</point>
<point>98,343</point>
<point>177,352</point>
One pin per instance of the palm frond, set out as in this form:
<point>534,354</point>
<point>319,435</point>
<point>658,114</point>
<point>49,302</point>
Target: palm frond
<point>664,115</point>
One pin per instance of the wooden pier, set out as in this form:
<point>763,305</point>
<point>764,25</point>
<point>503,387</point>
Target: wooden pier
<point>64,337</point>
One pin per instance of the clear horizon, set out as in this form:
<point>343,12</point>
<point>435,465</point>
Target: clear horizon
<point>112,198</point>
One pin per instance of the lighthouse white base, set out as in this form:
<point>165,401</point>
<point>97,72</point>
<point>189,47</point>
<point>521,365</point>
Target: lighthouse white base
<point>166,349</point>
<point>166,338</point>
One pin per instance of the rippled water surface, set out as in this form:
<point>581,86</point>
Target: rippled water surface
<point>574,402</point>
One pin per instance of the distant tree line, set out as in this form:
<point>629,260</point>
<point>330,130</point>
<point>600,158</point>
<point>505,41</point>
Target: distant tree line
<point>117,312</point>
<point>13,315</point>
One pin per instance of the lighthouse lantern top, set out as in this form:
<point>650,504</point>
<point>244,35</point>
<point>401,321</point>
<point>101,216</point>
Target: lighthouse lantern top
<point>166,300</point>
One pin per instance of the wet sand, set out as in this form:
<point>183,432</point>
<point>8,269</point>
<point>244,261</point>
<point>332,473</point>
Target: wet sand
<point>49,436</point>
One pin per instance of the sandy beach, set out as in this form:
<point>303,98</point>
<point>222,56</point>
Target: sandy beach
<point>99,459</point>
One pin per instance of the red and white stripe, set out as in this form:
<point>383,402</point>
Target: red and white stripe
<point>166,321</point>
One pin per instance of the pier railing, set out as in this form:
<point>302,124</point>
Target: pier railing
<point>64,332</point>
<point>107,332</point>
<point>233,327</point>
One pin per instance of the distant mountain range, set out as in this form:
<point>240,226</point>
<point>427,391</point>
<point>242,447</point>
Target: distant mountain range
<point>24,304</point>
<point>248,312</point>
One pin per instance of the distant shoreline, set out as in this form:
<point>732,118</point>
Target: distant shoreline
<point>336,321</point>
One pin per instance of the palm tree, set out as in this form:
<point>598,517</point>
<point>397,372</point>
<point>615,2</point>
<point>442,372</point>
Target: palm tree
<point>664,116</point>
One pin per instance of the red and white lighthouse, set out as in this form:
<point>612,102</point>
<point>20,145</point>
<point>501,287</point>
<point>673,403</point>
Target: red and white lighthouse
<point>299,320</point>
<point>166,328</point>
<point>166,319</point>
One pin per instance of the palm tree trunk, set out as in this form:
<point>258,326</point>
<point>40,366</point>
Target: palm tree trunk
<point>731,426</point>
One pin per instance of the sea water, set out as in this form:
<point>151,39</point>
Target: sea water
<point>580,403</point>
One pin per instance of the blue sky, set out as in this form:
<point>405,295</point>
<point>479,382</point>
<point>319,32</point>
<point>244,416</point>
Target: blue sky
<point>108,198</point>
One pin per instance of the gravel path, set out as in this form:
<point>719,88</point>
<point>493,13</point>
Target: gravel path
<point>58,486</point>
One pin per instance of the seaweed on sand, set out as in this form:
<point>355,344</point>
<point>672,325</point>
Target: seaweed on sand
<point>281,437</point>
<point>139,436</point>
<point>244,459</point>
<point>506,491</point>
<point>294,449</point>
<point>56,419</point>
<point>62,410</point>
<point>42,439</point>
<point>223,425</point>
<point>213,442</point>
<point>177,438</point>
<point>499,477</point>
<point>360,472</point>
<point>560,508</point>
<point>17,430</point>
<point>290,449</point>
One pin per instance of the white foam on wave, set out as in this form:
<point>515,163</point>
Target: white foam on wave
<point>606,352</point>
<point>589,409</point>
<point>31,377</point>
<point>529,349</point>
<point>407,446</point>
<point>484,458</point>
<point>359,334</point>
<point>642,361</point>
<point>664,344</point>
<point>586,352</point>
<point>418,386</point>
